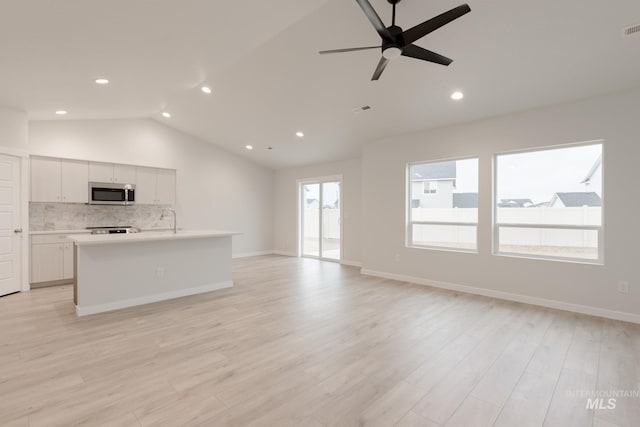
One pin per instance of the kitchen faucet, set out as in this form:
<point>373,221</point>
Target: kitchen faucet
<point>175,219</point>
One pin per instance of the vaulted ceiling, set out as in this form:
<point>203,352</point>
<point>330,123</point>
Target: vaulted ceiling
<point>260,58</point>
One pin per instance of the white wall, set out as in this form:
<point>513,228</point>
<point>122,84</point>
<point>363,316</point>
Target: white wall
<point>215,189</point>
<point>286,209</point>
<point>13,129</point>
<point>613,119</point>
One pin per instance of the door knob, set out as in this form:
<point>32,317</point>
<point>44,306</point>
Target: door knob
<point>18,230</point>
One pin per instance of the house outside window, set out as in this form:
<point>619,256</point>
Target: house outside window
<point>548,203</point>
<point>442,205</point>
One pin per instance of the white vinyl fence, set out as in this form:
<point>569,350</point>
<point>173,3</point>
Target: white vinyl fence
<point>330,223</point>
<point>465,236</point>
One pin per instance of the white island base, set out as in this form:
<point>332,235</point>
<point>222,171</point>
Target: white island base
<point>119,271</point>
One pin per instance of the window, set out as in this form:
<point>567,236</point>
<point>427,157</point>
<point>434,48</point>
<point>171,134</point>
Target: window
<point>548,203</point>
<point>442,205</point>
<point>430,187</point>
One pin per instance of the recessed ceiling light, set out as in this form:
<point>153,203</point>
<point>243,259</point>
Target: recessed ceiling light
<point>167,115</point>
<point>206,89</point>
<point>61,112</point>
<point>249,147</point>
<point>456,96</point>
<point>102,81</point>
<point>300,134</point>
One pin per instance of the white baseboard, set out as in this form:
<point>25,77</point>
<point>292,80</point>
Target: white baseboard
<point>250,254</point>
<point>101,308</point>
<point>351,263</point>
<point>559,305</point>
<point>284,253</point>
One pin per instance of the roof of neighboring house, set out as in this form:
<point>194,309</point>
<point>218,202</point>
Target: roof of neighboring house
<point>427,171</point>
<point>577,199</point>
<point>515,203</point>
<point>541,205</point>
<point>465,200</point>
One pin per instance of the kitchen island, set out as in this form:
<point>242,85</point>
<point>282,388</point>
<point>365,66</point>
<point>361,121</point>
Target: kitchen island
<point>115,271</point>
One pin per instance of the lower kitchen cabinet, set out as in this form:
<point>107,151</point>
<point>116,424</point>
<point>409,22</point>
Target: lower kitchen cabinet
<point>51,259</point>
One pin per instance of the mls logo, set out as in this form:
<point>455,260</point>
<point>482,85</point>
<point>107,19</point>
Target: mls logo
<point>601,403</point>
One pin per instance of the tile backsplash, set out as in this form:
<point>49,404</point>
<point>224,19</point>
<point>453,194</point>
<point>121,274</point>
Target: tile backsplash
<point>76,216</point>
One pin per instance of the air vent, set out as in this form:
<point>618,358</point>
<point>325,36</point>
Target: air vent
<point>361,109</point>
<point>633,30</point>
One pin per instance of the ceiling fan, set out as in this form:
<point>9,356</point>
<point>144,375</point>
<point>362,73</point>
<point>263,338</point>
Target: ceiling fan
<point>396,42</point>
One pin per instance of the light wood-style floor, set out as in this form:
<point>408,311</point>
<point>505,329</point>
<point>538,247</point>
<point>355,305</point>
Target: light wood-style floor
<point>300,342</point>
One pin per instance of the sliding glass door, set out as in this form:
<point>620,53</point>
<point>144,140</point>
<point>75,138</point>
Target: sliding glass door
<point>311,220</point>
<point>320,225</point>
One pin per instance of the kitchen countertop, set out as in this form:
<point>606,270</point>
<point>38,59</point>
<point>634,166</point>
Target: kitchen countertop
<point>147,236</point>
<point>53,232</point>
<point>84,231</point>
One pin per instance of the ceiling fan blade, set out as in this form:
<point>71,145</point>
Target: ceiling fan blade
<point>350,49</point>
<point>375,20</point>
<point>421,30</point>
<point>380,68</point>
<point>418,52</point>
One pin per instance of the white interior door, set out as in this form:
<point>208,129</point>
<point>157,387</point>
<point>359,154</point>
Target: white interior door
<point>10,229</point>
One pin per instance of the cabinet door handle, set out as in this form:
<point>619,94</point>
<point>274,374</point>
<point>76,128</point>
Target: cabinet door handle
<point>17,230</point>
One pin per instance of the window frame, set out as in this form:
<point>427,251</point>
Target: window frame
<point>408,200</point>
<point>495,250</point>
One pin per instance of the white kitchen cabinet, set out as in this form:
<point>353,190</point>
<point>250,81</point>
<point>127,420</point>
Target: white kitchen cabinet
<point>124,174</point>
<point>52,258</point>
<point>155,186</point>
<point>58,180</point>
<point>45,180</point>
<point>146,184</point>
<point>100,172</point>
<point>166,187</point>
<point>46,262</point>
<point>68,264</point>
<point>74,180</point>
<point>109,172</point>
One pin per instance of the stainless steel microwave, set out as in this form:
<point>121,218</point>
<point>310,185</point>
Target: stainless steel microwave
<point>107,193</point>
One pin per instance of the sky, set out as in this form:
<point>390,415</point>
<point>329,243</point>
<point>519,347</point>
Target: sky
<point>538,175</point>
<point>331,192</point>
<point>534,175</point>
<point>467,176</point>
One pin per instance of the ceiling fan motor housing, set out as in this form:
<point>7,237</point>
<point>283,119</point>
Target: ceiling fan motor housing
<point>398,42</point>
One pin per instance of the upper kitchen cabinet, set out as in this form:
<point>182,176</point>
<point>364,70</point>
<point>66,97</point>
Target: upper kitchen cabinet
<point>59,180</point>
<point>45,180</point>
<point>108,172</point>
<point>146,184</point>
<point>74,181</point>
<point>124,174</point>
<point>155,186</point>
<point>166,186</point>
